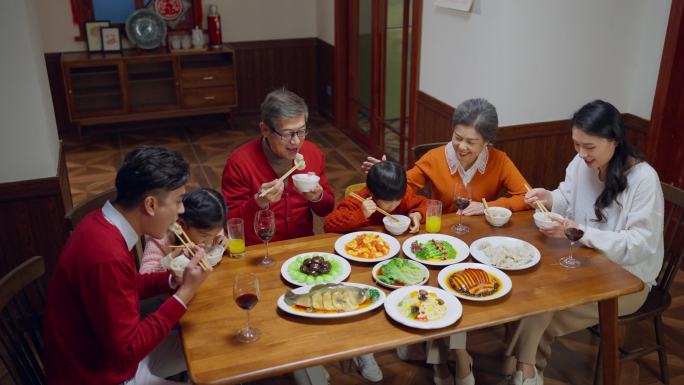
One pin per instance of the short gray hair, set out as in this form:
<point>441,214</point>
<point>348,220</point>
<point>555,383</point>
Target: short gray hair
<point>280,104</point>
<point>477,113</point>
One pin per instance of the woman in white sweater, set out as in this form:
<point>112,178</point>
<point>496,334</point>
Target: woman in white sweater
<point>619,194</point>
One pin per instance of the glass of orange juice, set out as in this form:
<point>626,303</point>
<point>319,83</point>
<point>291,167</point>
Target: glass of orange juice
<point>236,237</point>
<point>433,220</point>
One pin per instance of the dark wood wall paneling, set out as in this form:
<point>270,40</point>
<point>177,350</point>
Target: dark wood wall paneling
<point>263,66</point>
<point>326,78</point>
<point>34,225</point>
<point>541,151</point>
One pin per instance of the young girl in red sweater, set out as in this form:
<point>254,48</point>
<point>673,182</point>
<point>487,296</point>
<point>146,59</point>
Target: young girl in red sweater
<point>385,188</point>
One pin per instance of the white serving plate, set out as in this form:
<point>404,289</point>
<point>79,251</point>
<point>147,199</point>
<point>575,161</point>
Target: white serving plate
<point>461,247</point>
<point>506,284</point>
<point>393,243</point>
<point>453,314</point>
<point>346,267</point>
<point>376,270</point>
<point>495,241</point>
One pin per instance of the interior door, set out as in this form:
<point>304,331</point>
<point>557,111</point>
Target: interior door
<point>379,38</point>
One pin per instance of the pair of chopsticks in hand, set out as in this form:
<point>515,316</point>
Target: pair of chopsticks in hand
<point>537,202</point>
<point>187,243</point>
<point>381,211</point>
<point>299,164</point>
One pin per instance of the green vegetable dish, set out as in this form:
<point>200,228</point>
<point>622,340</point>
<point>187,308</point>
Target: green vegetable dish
<point>400,272</point>
<point>433,250</point>
<point>314,269</point>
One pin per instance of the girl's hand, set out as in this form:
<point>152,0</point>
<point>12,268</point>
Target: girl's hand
<point>370,161</point>
<point>220,240</point>
<point>541,195</point>
<point>368,207</point>
<point>474,208</point>
<point>415,222</point>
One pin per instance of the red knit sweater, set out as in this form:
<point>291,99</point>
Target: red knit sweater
<point>93,333</point>
<point>247,169</point>
<point>348,216</point>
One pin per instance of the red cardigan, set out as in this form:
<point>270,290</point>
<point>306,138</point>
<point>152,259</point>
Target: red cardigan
<point>93,333</point>
<point>348,216</point>
<point>247,169</point>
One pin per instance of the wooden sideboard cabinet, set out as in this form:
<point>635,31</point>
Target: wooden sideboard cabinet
<point>133,85</point>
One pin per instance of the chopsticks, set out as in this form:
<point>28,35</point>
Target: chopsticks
<point>299,164</point>
<point>484,202</point>
<point>539,204</point>
<point>383,212</point>
<point>185,240</point>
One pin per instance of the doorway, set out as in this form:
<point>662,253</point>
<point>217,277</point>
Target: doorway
<point>377,46</point>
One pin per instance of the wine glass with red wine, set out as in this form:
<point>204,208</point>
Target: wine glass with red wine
<point>246,295</point>
<point>462,197</point>
<point>574,234</point>
<point>264,227</point>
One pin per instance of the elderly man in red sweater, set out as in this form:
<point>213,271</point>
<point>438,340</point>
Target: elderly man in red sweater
<point>257,165</point>
<point>93,329</point>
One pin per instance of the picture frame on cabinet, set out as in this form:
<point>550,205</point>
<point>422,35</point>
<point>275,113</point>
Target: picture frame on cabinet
<point>94,35</point>
<point>111,39</point>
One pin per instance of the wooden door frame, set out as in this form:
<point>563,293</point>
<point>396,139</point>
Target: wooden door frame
<point>662,138</point>
<point>342,55</point>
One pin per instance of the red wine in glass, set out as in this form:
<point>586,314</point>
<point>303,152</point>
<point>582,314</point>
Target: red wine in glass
<point>264,228</point>
<point>247,301</point>
<point>246,296</point>
<point>574,234</point>
<point>461,202</point>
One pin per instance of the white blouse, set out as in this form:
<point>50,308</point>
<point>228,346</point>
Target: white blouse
<point>632,231</point>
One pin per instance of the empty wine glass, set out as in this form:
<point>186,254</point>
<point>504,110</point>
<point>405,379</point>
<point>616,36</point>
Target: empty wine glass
<point>264,227</point>
<point>246,295</point>
<point>574,234</point>
<point>462,197</point>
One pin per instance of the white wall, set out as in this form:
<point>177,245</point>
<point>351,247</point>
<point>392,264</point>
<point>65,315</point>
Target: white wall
<point>653,26</point>
<point>326,20</point>
<point>29,148</point>
<point>243,20</point>
<point>539,60</point>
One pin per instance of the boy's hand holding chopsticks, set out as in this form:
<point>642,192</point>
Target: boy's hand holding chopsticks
<point>368,207</point>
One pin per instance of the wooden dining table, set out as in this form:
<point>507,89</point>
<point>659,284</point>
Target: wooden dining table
<point>290,342</point>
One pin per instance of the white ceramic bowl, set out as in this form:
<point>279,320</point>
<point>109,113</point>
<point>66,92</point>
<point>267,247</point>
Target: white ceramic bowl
<point>543,221</point>
<point>394,227</point>
<point>305,182</point>
<point>215,254</point>
<point>499,216</point>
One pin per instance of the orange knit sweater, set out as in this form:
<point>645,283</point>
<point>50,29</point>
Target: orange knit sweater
<point>348,216</point>
<point>500,173</point>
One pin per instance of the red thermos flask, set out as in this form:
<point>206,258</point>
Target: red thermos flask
<point>214,24</point>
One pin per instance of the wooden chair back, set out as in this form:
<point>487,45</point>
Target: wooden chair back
<point>354,188</point>
<point>82,209</point>
<point>22,305</point>
<point>673,235</point>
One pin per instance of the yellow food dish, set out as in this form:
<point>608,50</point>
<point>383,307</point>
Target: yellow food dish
<point>370,246</point>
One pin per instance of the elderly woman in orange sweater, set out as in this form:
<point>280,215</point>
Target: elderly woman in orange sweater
<point>469,159</point>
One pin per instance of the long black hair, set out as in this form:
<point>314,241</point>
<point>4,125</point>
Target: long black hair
<point>204,209</point>
<point>602,119</point>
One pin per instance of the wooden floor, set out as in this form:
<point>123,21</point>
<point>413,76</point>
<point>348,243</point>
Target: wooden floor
<point>206,142</point>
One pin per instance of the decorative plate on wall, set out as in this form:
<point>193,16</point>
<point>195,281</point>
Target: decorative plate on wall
<point>146,29</point>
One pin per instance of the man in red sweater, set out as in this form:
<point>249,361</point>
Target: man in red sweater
<point>257,165</point>
<point>93,330</point>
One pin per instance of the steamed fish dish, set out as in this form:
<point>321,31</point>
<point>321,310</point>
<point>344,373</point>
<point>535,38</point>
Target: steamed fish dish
<point>367,245</point>
<point>422,305</point>
<point>507,256</point>
<point>336,298</point>
<point>433,250</point>
<point>400,272</point>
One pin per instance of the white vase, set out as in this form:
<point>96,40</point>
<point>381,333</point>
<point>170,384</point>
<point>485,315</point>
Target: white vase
<point>197,38</point>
